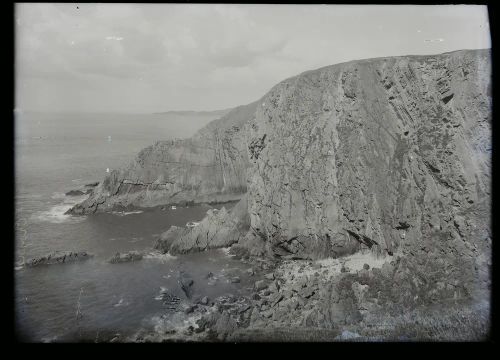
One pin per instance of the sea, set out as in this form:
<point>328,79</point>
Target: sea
<point>94,300</point>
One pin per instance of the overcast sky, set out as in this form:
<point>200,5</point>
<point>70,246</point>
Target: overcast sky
<point>159,57</point>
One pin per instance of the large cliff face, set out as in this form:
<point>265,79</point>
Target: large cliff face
<point>393,153</point>
<point>209,167</point>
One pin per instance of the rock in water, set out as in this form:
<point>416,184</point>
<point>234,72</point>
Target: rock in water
<point>75,193</point>
<point>59,258</point>
<point>186,283</point>
<point>125,257</point>
<point>204,300</point>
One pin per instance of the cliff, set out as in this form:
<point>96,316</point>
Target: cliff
<point>393,154</point>
<point>389,154</point>
<point>209,167</point>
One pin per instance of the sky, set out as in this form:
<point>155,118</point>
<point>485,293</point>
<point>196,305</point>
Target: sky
<point>143,58</point>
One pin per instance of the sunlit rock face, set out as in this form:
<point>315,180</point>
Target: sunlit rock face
<point>390,153</point>
<point>209,167</point>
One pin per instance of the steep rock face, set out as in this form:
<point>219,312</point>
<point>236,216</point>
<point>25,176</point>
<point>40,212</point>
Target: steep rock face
<point>390,153</point>
<point>210,166</point>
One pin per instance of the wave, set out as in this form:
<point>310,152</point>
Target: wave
<point>156,255</point>
<point>125,213</point>
<point>120,303</point>
<point>58,195</point>
<point>225,251</point>
<point>56,214</point>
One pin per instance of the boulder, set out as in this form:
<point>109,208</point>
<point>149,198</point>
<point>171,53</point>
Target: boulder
<point>269,276</point>
<point>186,283</point>
<point>260,285</point>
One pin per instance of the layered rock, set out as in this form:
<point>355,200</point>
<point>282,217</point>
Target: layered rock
<point>390,153</point>
<point>220,228</point>
<point>209,167</point>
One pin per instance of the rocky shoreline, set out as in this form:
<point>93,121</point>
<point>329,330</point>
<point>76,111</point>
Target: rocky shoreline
<point>329,300</point>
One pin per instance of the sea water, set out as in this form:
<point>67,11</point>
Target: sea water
<point>55,153</point>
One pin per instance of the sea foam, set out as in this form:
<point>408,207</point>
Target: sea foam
<point>56,214</point>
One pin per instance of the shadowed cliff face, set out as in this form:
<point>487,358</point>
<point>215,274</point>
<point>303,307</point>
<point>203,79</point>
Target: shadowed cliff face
<point>390,153</point>
<point>209,167</point>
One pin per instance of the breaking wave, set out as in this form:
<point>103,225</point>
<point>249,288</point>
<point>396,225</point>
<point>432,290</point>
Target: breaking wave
<point>156,255</point>
<point>56,214</point>
<point>124,213</point>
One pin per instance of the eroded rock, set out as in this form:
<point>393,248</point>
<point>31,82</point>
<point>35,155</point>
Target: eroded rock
<point>59,258</point>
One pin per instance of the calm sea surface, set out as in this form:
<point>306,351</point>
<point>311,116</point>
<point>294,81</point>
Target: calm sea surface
<point>56,153</point>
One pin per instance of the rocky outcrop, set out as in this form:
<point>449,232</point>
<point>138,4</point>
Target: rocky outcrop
<point>220,228</point>
<point>166,239</point>
<point>75,193</point>
<point>392,154</point>
<point>59,258</point>
<point>125,257</point>
<point>209,167</point>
